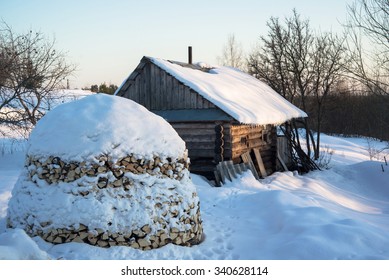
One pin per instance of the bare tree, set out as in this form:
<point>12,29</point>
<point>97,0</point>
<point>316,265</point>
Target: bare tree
<point>31,68</point>
<point>232,54</point>
<point>328,61</point>
<point>372,17</point>
<point>301,65</point>
<point>368,24</point>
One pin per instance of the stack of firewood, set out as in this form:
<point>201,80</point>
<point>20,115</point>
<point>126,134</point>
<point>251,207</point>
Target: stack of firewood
<point>176,217</point>
<point>54,170</point>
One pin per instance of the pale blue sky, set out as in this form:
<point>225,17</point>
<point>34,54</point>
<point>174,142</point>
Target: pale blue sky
<point>107,39</point>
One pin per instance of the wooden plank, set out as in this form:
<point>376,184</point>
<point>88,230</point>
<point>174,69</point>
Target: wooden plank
<point>199,102</point>
<point>157,76</point>
<point>181,102</point>
<point>162,90</point>
<point>223,176</point>
<point>193,99</point>
<point>152,87</point>
<point>243,167</point>
<point>147,92</point>
<point>142,90</point>
<point>174,101</point>
<point>238,169</point>
<point>247,159</point>
<point>230,167</point>
<point>282,162</point>
<point>136,92</point>
<point>187,98</point>
<point>206,103</point>
<point>260,163</point>
<point>217,178</point>
<point>227,171</point>
<point>169,91</point>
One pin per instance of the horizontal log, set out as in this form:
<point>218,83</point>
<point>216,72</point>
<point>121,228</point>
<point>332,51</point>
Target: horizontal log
<point>196,167</point>
<point>256,143</point>
<point>195,153</point>
<point>200,145</point>
<point>243,140</point>
<point>198,138</point>
<point>264,153</point>
<point>196,125</point>
<point>242,129</point>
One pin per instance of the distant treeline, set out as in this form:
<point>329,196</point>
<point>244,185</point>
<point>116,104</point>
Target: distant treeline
<point>348,114</point>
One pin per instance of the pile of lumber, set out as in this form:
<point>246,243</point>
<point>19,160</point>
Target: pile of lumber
<point>227,170</point>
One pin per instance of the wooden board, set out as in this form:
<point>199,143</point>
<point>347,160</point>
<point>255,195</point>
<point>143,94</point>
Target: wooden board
<point>260,163</point>
<point>231,169</point>
<point>226,170</point>
<point>223,175</point>
<point>282,162</point>
<point>217,178</point>
<point>247,159</point>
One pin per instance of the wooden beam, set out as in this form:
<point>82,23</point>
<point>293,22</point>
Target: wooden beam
<point>247,159</point>
<point>260,163</point>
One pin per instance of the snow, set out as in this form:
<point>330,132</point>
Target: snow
<point>80,131</point>
<point>240,95</point>
<point>57,97</point>
<point>102,124</point>
<point>339,213</point>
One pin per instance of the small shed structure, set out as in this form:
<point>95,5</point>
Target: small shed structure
<point>220,112</point>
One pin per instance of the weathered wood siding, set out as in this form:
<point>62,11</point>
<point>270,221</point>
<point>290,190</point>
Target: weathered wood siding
<point>284,152</point>
<point>155,89</point>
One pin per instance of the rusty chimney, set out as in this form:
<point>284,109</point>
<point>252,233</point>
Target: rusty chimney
<point>190,55</point>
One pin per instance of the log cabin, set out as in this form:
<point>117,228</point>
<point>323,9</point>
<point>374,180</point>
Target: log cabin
<point>220,112</point>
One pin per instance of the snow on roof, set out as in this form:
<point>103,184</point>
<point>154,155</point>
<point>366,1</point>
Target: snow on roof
<point>240,95</point>
<point>102,124</point>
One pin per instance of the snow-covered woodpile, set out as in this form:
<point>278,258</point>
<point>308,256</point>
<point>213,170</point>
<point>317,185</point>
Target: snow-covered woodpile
<point>114,188</point>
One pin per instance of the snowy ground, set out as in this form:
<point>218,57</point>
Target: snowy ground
<point>340,213</point>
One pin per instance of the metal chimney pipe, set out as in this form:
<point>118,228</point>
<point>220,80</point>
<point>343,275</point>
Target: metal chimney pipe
<point>190,55</point>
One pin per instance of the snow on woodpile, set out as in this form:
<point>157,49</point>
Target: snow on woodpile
<point>105,171</point>
<point>240,95</point>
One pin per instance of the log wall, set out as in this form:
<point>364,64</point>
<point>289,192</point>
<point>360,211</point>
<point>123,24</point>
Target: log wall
<point>239,139</point>
<point>200,138</point>
<point>209,143</point>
